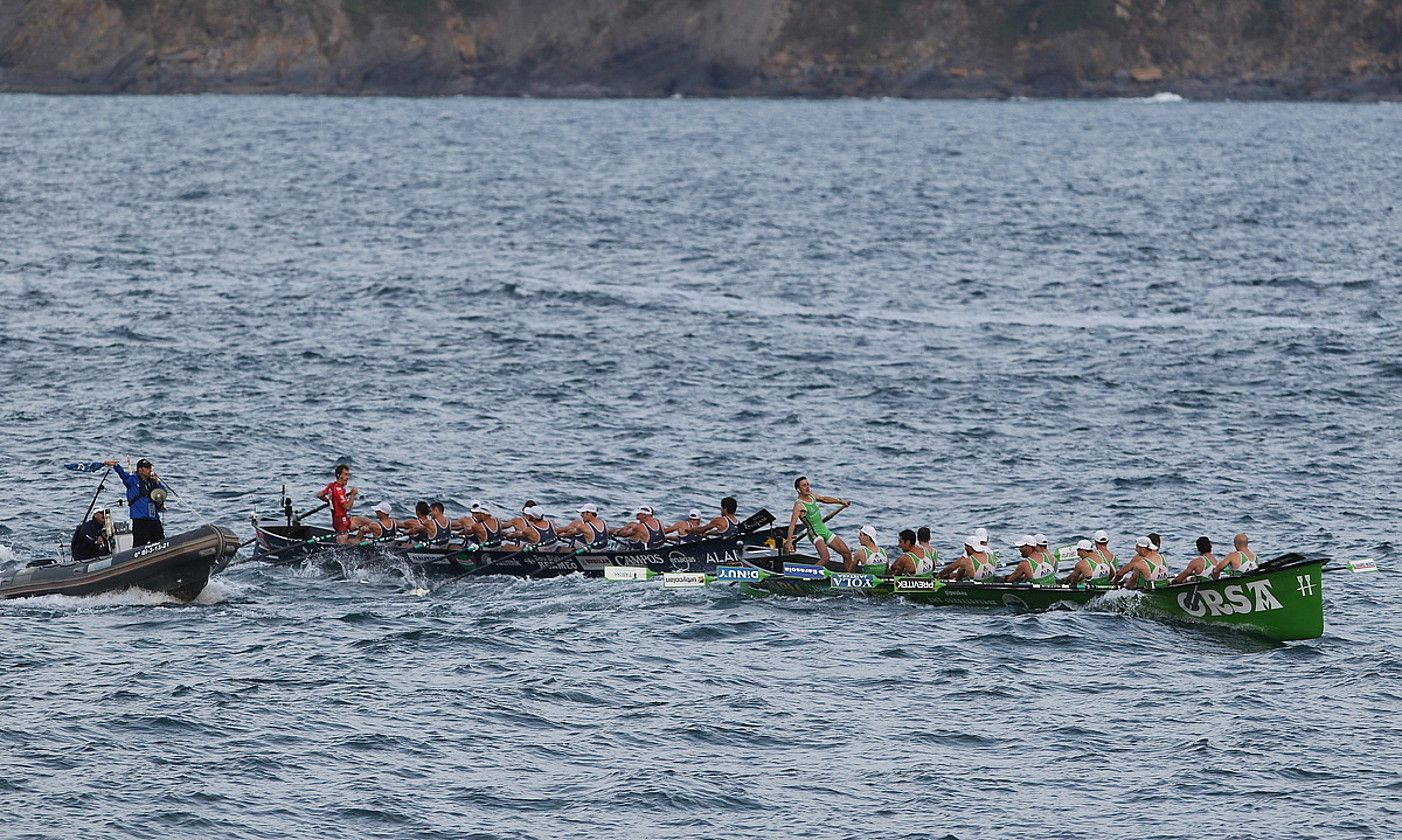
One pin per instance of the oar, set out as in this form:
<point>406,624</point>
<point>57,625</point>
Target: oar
<point>300,516</point>
<point>1355,567</point>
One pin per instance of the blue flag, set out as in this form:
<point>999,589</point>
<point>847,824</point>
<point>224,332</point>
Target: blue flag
<point>91,466</point>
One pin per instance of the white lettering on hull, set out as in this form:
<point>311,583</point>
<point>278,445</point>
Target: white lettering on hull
<point>1234,599</point>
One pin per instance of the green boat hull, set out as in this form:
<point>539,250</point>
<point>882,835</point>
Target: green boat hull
<point>1284,601</point>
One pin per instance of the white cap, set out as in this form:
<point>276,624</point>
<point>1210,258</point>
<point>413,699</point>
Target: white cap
<point>1041,539</point>
<point>535,512</point>
<point>1085,545</point>
<point>976,542</point>
<point>644,509</point>
<point>694,514</point>
<point>476,506</point>
<point>1025,539</point>
<point>1101,536</point>
<point>588,507</point>
<point>981,533</point>
<point>1144,542</point>
<point>870,531</point>
<point>382,507</point>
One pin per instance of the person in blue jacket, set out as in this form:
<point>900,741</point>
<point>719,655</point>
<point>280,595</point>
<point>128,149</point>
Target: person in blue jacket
<point>146,524</point>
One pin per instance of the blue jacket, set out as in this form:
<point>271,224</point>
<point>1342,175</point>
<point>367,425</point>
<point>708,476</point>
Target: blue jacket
<point>138,494</point>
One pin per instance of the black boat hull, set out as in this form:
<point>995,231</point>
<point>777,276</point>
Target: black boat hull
<point>282,545</point>
<point>179,566</point>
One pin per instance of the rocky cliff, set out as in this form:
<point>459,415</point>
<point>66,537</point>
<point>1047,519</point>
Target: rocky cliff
<point>1200,48</point>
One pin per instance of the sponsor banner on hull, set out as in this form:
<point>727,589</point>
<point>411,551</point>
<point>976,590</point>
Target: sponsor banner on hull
<point>851,580</point>
<point>804,571</point>
<point>908,584</point>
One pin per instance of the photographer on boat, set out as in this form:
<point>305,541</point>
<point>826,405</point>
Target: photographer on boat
<point>90,538</point>
<point>146,498</point>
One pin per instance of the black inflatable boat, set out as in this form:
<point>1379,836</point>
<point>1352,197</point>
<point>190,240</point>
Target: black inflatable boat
<point>179,566</point>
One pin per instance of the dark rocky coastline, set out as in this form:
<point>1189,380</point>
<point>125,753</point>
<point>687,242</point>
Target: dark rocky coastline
<point>1201,49</point>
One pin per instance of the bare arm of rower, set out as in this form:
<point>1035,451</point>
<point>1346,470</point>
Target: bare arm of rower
<point>793,523</point>
<point>1188,571</point>
<point>1222,564</point>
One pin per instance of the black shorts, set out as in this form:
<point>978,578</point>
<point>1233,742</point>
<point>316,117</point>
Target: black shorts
<point>146,531</point>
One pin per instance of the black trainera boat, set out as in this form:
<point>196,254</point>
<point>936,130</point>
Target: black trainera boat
<point>295,543</point>
<point>179,566</point>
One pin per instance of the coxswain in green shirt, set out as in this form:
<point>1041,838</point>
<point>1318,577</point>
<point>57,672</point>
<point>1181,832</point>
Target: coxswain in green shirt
<point>806,510</point>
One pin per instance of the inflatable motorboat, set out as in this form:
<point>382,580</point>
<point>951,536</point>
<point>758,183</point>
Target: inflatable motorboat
<point>179,566</point>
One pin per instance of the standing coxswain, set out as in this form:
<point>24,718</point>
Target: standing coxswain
<point>341,499</point>
<point>806,510</point>
<point>1239,562</point>
<point>145,501</point>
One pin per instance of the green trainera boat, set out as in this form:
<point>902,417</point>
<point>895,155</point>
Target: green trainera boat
<point>1283,600</point>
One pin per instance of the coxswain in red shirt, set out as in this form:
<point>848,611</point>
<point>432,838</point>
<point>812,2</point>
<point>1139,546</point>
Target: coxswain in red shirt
<point>342,499</point>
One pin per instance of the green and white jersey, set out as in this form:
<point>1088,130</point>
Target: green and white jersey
<point>985,568</point>
<point>874,562</point>
<point>1043,570</point>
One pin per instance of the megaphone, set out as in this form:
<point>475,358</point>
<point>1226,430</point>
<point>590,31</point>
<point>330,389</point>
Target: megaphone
<point>158,498</point>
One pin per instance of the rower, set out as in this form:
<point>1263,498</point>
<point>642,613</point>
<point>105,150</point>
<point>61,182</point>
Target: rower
<point>922,541</point>
<point>421,528</point>
<point>1102,549</point>
<point>688,529</point>
<point>1044,550</point>
<point>913,561</point>
<point>644,534</point>
<point>479,526</point>
<point>1035,566</point>
<point>976,563</point>
<point>90,539</point>
<point>806,509</point>
<point>724,526</point>
<point>444,526</point>
<point>869,557</point>
<point>531,527</point>
<point>1200,567</point>
<point>1091,568</point>
<point>588,529</point>
<point>381,526</point>
<point>1145,569</point>
<point>1241,561</point>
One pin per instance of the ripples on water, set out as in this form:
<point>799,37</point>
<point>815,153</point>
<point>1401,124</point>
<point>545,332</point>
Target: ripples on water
<point>1032,316</point>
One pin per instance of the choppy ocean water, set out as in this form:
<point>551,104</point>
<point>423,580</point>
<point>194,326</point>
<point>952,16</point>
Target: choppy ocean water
<point>1046,317</point>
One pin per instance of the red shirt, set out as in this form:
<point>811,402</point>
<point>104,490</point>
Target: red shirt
<point>340,506</point>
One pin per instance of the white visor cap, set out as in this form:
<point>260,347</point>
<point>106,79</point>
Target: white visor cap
<point>1102,537</point>
<point>382,507</point>
<point>1085,545</point>
<point>535,512</point>
<point>870,531</point>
